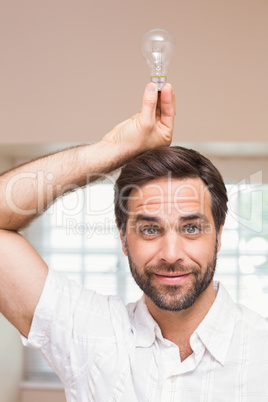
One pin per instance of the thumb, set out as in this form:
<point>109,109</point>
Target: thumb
<point>149,102</point>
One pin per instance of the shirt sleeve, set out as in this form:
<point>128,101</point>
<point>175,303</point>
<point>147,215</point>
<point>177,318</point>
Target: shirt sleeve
<point>71,324</point>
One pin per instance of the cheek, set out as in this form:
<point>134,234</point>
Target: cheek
<point>141,252</point>
<point>201,252</point>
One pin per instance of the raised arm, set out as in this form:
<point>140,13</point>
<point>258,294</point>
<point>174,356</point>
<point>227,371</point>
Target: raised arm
<point>27,191</point>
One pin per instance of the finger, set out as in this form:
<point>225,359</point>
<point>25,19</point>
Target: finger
<point>173,100</point>
<point>168,106</point>
<point>149,102</point>
<point>158,106</point>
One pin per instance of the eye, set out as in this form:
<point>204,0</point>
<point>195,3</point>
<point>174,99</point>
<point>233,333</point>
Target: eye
<point>191,229</point>
<point>150,230</point>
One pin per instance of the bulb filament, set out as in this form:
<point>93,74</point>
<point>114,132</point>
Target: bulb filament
<point>157,55</point>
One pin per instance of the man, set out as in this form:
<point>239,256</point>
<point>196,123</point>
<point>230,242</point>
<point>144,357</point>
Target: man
<point>185,340</point>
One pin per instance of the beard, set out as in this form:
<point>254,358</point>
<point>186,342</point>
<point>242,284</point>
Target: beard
<point>174,297</point>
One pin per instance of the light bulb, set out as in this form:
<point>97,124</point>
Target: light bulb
<point>157,46</point>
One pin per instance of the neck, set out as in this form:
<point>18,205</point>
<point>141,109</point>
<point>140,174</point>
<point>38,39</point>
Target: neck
<point>178,326</point>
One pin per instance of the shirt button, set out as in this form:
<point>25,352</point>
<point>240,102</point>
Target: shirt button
<point>172,378</point>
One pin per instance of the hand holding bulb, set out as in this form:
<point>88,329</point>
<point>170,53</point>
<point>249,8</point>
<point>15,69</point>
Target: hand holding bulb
<point>153,125</point>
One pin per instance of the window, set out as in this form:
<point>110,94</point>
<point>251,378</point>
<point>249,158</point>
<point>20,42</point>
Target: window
<point>78,237</point>
<point>242,263</point>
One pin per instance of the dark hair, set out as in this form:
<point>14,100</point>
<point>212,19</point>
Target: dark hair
<point>175,162</point>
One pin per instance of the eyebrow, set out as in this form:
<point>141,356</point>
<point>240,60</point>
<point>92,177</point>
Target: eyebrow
<point>148,218</point>
<point>185,218</point>
<point>194,217</point>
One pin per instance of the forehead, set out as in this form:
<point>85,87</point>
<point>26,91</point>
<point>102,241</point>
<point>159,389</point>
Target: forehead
<point>167,195</point>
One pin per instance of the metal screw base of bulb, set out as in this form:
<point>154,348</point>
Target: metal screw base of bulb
<point>160,80</point>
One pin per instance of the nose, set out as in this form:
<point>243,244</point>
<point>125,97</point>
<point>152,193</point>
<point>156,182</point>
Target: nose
<point>171,248</point>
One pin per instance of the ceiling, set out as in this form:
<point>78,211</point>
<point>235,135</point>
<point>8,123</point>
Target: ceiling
<point>72,70</point>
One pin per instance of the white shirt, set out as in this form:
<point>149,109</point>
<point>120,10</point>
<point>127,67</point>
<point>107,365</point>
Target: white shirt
<point>104,351</point>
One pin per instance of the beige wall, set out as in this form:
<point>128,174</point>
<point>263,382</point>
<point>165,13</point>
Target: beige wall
<point>5,161</point>
<point>71,70</point>
<point>11,360</point>
<point>42,395</point>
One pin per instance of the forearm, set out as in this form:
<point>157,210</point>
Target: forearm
<point>27,191</point>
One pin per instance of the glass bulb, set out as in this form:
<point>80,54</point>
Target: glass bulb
<point>157,46</point>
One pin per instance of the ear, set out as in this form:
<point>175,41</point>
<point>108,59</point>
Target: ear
<point>219,238</point>
<point>122,238</point>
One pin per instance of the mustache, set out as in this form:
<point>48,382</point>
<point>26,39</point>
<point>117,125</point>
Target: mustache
<point>176,267</point>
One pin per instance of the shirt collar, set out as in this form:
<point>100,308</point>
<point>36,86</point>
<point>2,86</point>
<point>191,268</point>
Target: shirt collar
<point>146,327</point>
<point>215,331</point>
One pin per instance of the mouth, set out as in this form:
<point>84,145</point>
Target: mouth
<point>171,277</point>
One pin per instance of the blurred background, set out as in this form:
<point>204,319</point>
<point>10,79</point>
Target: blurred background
<point>69,72</point>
